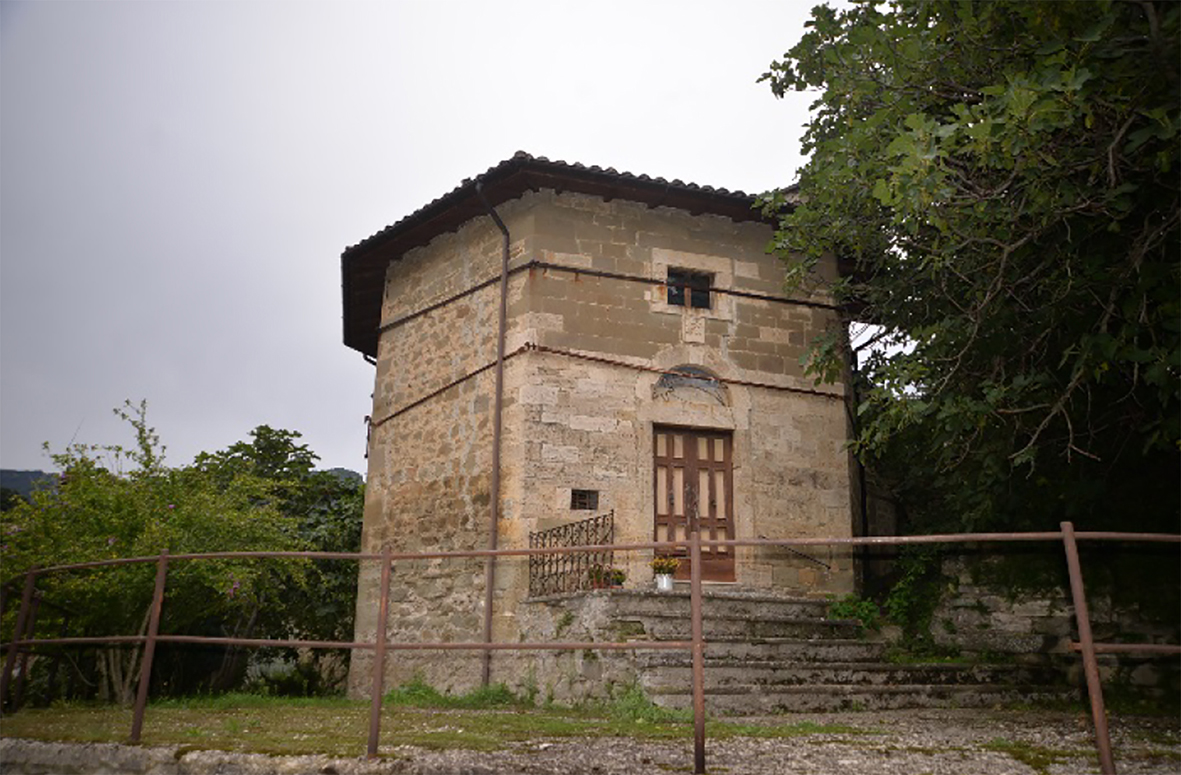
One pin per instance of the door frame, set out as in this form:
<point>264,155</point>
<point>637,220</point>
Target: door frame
<point>714,472</point>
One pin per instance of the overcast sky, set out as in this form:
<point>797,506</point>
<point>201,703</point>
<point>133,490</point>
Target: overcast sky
<point>178,180</point>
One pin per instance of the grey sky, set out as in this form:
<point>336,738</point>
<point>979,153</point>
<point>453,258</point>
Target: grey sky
<point>177,180</point>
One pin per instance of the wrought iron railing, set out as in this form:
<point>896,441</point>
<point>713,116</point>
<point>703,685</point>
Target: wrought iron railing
<point>553,573</point>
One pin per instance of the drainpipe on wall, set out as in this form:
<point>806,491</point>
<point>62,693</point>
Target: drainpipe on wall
<point>497,407</point>
<point>862,483</point>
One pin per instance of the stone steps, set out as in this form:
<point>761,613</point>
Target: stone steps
<point>716,602</point>
<point>813,698</point>
<point>727,615</point>
<point>794,650</point>
<point>744,628</point>
<point>768,654</point>
<point>672,670</point>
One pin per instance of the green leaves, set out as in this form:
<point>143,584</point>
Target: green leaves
<point>1000,179</point>
<point>113,502</point>
<point>97,513</point>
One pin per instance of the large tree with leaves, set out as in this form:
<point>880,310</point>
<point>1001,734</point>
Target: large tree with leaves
<point>326,510</point>
<point>114,502</point>
<point>999,181</point>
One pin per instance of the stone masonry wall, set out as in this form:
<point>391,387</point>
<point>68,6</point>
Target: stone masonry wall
<point>429,468</point>
<point>573,422</point>
<point>589,425</point>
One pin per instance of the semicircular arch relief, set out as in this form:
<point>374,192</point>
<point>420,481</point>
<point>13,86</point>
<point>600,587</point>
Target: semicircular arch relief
<point>694,384</point>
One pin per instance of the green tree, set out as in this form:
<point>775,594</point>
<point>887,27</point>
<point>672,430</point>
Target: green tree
<point>9,498</point>
<point>101,511</point>
<point>999,183</point>
<point>326,511</point>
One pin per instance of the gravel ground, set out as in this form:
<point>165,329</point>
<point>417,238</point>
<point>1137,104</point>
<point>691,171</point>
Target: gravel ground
<point>937,742</point>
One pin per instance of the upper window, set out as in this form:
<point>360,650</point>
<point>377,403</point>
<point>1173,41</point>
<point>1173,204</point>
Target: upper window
<point>693,287</point>
<point>689,289</point>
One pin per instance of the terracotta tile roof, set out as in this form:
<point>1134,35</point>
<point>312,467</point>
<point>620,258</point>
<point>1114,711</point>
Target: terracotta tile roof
<point>363,265</point>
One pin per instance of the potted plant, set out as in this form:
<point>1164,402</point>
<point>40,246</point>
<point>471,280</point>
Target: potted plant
<point>597,575</point>
<point>605,577</point>
<point>664,568</point>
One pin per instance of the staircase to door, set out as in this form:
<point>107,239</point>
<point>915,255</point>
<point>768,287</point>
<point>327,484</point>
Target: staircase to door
<point>769,654</point>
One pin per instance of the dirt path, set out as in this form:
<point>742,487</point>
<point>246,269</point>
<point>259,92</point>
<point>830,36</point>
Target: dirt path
<point>936,742</point>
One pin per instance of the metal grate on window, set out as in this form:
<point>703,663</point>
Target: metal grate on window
<point>584,500</point>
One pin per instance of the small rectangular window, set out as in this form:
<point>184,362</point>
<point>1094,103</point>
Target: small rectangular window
<point>584,500</point>
<point>694,286</point>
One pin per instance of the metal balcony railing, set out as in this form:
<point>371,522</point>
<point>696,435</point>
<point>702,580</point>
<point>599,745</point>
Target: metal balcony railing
<point>554,573</point>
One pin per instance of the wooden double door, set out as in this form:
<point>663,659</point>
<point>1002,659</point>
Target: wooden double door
<point>694,481</point>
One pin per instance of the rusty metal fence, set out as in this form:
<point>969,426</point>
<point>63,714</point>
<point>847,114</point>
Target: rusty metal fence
<point>552,573</point>
<point>24,639</point>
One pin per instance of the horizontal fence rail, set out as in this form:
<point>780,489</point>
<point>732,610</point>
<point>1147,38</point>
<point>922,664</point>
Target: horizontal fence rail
<point>24,641</point>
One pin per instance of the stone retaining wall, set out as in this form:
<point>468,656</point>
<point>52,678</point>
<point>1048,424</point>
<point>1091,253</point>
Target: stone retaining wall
<point>981,619</point>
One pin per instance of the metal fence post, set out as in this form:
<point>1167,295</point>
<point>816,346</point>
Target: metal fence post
<point>145,668</point>
<point>30,628</point>
<point>22,619</point>
<point>1087,644</point>
<point>379,656</point>
<point>54,689</point>
<point>698,654</point>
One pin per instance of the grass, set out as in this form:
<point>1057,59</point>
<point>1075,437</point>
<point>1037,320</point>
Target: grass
<point>414,714</point>
<point>493,719</point>
<point>416,693</point>
<point>798,729</point>
<point>274,727</point>
<point>901,656</point>
<point>1125,700</point>
<point>1038,757</point>
<point>239,700</point>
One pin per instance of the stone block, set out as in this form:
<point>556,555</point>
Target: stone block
<point>747,269</point>
<point>592,424</point>
<point>1145,675</point>
<point>1058,626</point>
<point>567,259</point>
<point>692,329</point>
<point>560,454</point>
<point>1032,608</point>
<point>538,395</point>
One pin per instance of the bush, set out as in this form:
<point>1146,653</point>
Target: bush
<point>855,607</point>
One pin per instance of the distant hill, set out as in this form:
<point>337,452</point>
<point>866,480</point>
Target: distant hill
<point>25,482</point>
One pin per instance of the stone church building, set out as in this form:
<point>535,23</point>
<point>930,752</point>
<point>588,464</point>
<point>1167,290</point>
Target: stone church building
<point>652,385</point>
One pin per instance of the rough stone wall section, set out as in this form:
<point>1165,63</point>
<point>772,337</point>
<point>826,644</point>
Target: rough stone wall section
<point>981,620</point>
<point>429,468</point>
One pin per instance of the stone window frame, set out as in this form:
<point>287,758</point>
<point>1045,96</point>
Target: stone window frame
<point>584,500</point>
<point>720,267</point>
